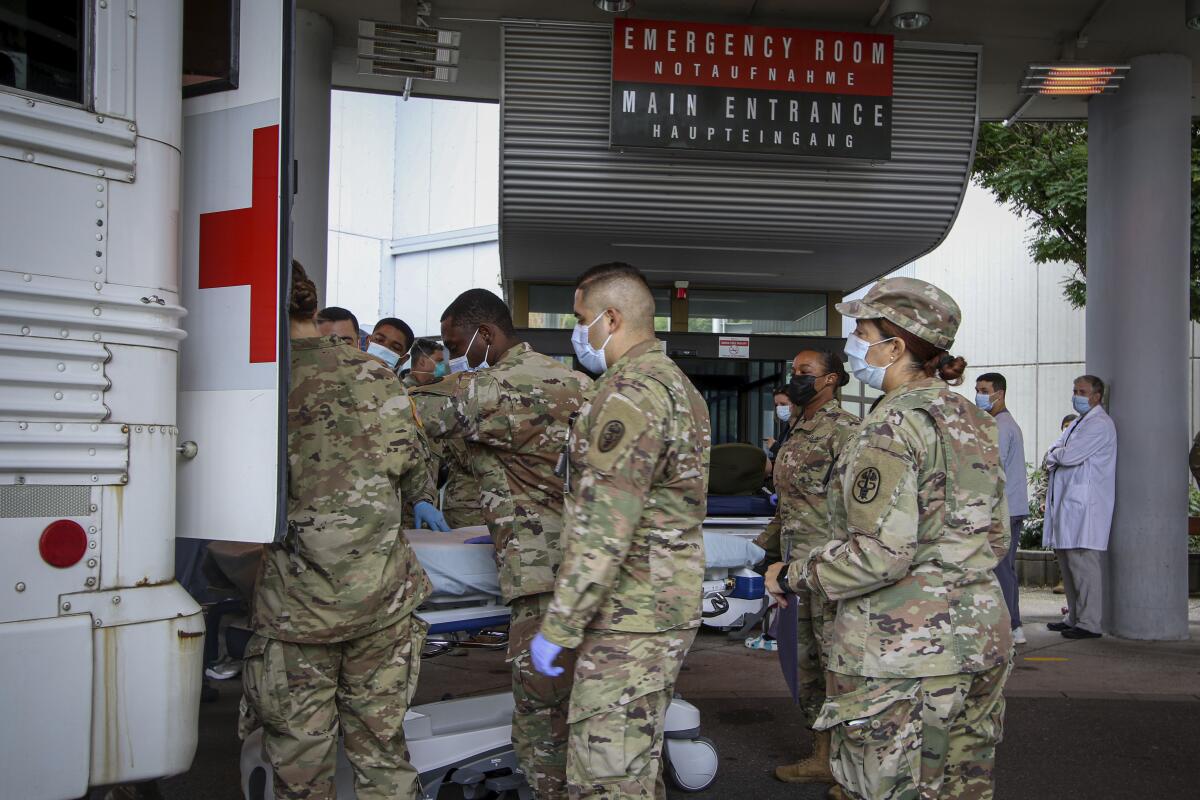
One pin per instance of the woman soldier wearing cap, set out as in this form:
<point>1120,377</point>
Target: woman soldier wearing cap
<point>802,472</point>
<point>921,646</point>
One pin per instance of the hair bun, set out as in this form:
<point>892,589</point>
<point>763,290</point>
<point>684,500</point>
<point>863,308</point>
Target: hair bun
<point>302,299</point>
<point>951,368</point>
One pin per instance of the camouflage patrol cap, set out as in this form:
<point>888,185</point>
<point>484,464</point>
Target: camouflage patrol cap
<point>918,307</point>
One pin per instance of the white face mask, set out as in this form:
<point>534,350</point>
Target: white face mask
<point>592,358</point>
<point>856,353</point>
<point>783,412</point>
<point>461,364</point>
<point>391,358</point>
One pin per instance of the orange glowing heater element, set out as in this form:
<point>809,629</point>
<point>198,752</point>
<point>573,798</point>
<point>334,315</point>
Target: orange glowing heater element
<point>1073,79</point>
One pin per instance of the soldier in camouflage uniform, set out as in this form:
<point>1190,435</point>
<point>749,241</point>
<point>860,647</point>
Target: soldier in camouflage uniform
<point>461,495</point>
<point>336,647</point>
<point>627,599</point>
<point>512,419</point>
<point>922,645</point>
<point>802,471</point>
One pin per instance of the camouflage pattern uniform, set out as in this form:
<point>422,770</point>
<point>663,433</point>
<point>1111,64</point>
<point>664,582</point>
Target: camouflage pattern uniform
<point>461,495</point>
<point>921,646</point>
<point>628,595</point>
<point>514,418</point>
<point>336,647</point>
<point>803,468</point>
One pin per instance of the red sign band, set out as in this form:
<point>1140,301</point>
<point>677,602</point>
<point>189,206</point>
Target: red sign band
<point>748,57</point>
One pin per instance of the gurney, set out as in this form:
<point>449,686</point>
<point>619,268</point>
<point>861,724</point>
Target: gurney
<point>467,741</point>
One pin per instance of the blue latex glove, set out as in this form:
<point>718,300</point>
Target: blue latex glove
<point>427,516</point>
<point>544,652</point>
<point>774,499</point>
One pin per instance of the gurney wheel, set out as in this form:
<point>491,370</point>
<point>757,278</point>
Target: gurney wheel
<point>691,763</point>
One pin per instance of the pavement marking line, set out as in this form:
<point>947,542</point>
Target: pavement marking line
<point>1046,658</point>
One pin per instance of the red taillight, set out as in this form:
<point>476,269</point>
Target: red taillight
<point>63,543</point>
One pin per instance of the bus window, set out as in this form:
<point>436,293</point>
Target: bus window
<point>210,46</point>
<point>42,47</point>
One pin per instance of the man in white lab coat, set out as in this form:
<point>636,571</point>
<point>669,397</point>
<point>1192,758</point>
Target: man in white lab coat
<point>1079,507</point>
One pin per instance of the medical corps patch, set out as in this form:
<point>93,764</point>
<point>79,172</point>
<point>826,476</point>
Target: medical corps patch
<point>611,436</point>
<point>866,485</point>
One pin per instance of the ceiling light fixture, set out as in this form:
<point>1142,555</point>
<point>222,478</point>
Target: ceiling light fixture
<point>1192,14</point>
<point>614,6</point>
<point>911,15</point>
<point>1073,79</point>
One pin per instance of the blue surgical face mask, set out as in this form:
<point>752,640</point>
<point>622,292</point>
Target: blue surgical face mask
<point>592,358</point>
<point>984,401</point>
<point>856,353</point>
<point>783,412</point>
<point>461,364</point>
<point>390,357</point>
<point>1080,404</point>
<point>439,370</point>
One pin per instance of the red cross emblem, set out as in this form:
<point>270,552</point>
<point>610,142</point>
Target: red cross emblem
<point>239,247</point>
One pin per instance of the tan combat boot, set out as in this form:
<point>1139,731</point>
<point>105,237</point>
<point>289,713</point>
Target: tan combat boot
<point>814,769</point>
<point>837,793</point>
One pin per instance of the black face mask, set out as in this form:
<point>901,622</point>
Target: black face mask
<point>801,390</point>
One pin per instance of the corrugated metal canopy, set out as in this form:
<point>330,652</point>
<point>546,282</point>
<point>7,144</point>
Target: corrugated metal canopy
<point>569,201</point>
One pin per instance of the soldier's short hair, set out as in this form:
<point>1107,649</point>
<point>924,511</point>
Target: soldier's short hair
<point>476,307</point>
<point>1097,384</point>
<point>398,324</point>
<point>995,379</point>
<point>613,270</point>
<point>426,347</point>
<point>623,287</point>
<point>337,314</point>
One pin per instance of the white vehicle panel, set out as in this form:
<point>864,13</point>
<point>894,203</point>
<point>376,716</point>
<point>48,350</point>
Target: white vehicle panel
<point>145,231</point>
<point>46,696</point>
<point>229,401</point>
<point>138,548</point>
<point>63,453</point>
<point>39,132</point>
<point>116,25</point>
<point>37,371</point>
<point>126,398</point>
<point>28,511</point>
<point>221,490</point>
<point>33,194</point>
<point>146,700</point>
<point>61,308</point>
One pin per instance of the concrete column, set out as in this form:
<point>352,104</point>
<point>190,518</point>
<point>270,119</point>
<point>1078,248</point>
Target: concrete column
<point>310,213</point>
<point>1138,219</point>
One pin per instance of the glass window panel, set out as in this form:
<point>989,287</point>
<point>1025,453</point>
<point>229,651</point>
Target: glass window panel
<point>550,307</point>
<point>210,46</point>
<point>791,313</point>
<point>42,47</point>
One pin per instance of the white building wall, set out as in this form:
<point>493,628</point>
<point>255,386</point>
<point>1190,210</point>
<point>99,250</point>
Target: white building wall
<point>400,170</point>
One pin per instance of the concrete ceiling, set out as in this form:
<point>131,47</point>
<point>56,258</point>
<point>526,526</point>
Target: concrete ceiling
<point>1013,33</point>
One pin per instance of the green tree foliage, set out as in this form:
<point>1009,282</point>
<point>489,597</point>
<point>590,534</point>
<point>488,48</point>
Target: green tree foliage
<point>1040,170</point>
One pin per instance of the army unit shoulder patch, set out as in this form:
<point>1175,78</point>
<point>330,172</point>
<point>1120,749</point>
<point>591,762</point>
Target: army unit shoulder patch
<point>611,435</point>
<point>866,485</point>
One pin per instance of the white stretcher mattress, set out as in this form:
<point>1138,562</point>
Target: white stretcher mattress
<point>457,569</point>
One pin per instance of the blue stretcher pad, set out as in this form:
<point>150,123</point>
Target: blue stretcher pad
<point>729,505</point>
<point>459,569</point>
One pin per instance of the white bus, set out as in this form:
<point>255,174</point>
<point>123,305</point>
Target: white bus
<point>124,419</point>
